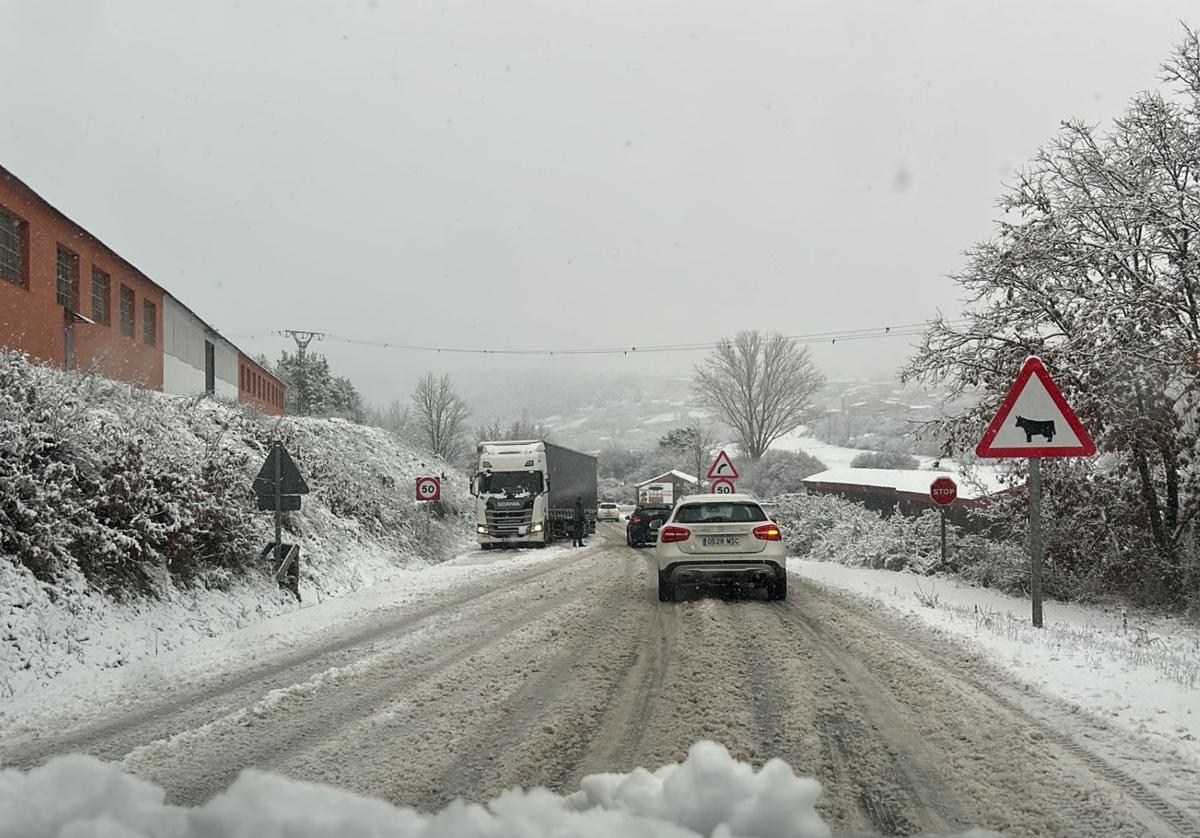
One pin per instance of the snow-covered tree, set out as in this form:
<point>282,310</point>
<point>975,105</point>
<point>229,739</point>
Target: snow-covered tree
<point>313,390</point>
<point>523,427</point>
<point>761,386</point>
<point>1094,268</point>
<point>441,415</point>
<point>694,443</point>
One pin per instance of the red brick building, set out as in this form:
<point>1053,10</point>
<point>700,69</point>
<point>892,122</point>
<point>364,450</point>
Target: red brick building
<point>69,300</point>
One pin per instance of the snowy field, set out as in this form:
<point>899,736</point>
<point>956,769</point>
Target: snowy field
<point>708,794</point>
<point>837,457</point>
<point>1139,673</point>
<point>833,456</point>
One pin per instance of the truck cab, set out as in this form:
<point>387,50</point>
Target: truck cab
<point>526,492</point>
<point>510,489</point>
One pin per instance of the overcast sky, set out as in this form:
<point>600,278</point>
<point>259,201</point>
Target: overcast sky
<point>541,174</point>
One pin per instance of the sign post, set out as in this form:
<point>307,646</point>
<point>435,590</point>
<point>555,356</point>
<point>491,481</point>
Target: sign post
<point>723,467</point>
<point>429,489</point>
<point>721,475</point>
<point>1035,538</point>
<point>279,487</point>
<point>944,491</point>
<point>1041,411</point>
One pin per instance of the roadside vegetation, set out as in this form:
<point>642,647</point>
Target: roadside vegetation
<point>109,488</point>
<point>1094,269</point>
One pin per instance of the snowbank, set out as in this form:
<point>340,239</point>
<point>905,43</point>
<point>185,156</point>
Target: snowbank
<point>166,647</point>
<point>128,527</point>
<point>1134,671</point>
<point>709,794</point>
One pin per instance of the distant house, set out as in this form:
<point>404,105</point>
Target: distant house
<point>903,490</point>
<point>666,488</point>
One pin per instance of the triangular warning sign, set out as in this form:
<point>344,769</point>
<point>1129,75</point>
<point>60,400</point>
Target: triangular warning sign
<point>1035,421</point>
<point>723,467</point>
<point>290,481</point>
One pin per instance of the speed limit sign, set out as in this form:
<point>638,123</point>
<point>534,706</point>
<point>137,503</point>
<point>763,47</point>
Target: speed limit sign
<point>723,486</point>
<point>429,488</point>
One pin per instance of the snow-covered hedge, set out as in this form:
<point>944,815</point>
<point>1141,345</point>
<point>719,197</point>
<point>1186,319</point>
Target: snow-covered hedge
<point>829,528</point>
<point>110,495</point>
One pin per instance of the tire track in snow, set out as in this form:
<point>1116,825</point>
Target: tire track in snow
<point>196,763</point>
<point>113,738</point>
<point>1010,769</point>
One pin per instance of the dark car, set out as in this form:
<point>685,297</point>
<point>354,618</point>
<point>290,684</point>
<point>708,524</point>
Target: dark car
<point>644,523</point>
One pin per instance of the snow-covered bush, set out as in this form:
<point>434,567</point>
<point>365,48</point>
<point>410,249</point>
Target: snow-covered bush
<point>128,487</point>
<point>779,473</point>
<point>829,528</point>
<point>885,459</point>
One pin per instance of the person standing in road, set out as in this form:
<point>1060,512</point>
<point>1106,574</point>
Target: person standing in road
<point>580,522</point>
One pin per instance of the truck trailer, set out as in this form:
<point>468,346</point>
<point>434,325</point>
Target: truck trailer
<point>525,492</point>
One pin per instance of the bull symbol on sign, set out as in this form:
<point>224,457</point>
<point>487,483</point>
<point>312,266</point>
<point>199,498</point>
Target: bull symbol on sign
<point>1036,427</point>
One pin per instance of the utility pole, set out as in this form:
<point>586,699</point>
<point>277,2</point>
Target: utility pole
<point>303,339</point>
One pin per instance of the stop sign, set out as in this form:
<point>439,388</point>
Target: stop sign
<point>943,491</point>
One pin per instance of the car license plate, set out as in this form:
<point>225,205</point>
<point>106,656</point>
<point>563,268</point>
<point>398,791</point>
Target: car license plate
<point>720,541</point>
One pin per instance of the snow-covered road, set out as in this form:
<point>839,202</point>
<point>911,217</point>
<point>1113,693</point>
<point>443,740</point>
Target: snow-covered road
<point>569,666</point>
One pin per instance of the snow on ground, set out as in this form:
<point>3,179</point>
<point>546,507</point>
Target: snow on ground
<point>213,633</point>
<point>1133,671</point>
<point>911,481</point>
<point>708,794</point>
<point>832,456</point>
<point>839,457</point>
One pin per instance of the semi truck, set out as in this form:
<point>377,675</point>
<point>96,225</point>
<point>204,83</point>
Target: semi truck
<point>526,490</point>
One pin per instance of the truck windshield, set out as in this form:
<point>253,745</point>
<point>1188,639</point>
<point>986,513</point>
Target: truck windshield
<point>510,482</point>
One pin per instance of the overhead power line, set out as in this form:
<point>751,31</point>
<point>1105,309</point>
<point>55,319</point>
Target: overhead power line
<point>832,337</point>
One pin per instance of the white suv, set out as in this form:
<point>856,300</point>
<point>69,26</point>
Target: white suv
<point>608,512</point>
<point>711,537</point>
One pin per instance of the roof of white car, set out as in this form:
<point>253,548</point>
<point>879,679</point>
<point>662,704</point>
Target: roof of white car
<point>694,499</point>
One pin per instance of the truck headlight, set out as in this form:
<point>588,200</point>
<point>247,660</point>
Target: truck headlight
<point>481,529</point>
<point>536,528</point>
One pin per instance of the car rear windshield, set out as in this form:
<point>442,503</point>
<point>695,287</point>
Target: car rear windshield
<point>720,513</point>
<point>608,506</point>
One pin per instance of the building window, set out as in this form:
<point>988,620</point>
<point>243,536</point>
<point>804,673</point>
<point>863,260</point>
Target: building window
<point>126,311</point>
<point>12,248</point>
<point>101,296</point>
<point>149,323</point>
<point>68,277</point>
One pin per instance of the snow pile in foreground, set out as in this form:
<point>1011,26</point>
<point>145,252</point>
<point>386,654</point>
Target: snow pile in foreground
<point>709,794</point>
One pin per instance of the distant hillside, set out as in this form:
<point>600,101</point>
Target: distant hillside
<point>584,411</point>
<point>634,411</point>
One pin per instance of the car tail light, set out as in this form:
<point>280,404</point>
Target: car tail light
<point>672,534</point>
<point>768,532</point>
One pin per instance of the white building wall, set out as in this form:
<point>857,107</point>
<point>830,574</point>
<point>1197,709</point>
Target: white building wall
<point>184,335</point>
